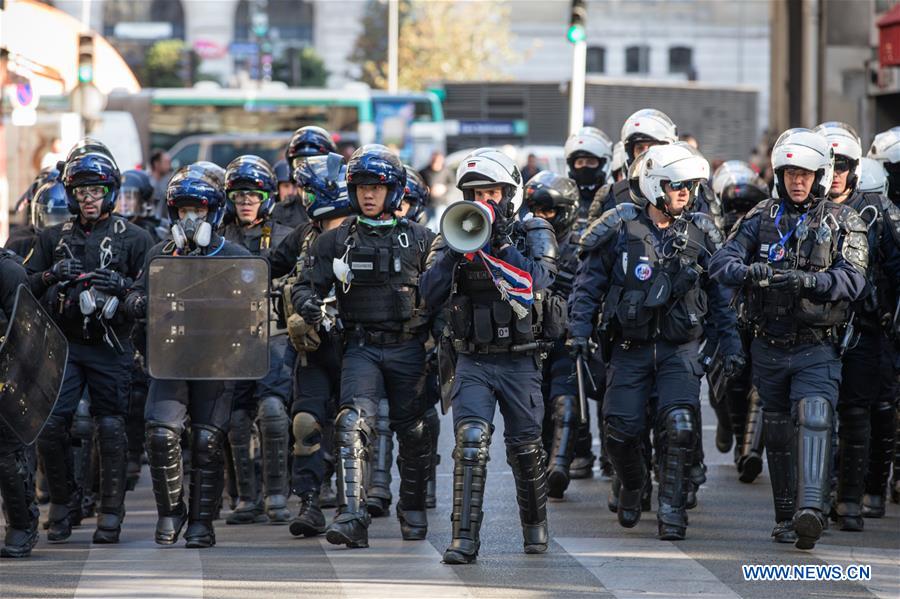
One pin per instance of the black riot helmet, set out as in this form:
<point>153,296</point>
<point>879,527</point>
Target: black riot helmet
<point>323,180</point>
<point>201,183</point>
<point>87,169</point>
<point>417,194</point>
<point>135,195</point>
<point>47,174</point>
<point>374,164</point>
<point>282,172</point>
<point>549,191</point>
<point>251,173</point>
<point>49,206</point>
<point>308,141</point>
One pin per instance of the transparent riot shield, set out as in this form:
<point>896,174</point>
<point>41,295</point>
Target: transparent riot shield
<point>208,318</point>
<point>32,365</point>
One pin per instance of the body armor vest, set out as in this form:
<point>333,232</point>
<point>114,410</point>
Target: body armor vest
<point>567,265</point>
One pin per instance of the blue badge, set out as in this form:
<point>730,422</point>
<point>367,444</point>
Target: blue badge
<point>643,271</point>
<point>776,253</point>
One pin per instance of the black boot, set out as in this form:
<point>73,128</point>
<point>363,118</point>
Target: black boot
<point>750,460</point>
<point>527,461</point>
<point>854,454</point>
<point>779,433</point>
<point>626,454</point>
<point>19,504</point>
<point>431,489</point>
<point>724,429</point>
<point>582,465</point>
<point>562,450</point>
<point>273,428</point>
<point>309,521</point>
<point>164,455</point>
<point>470,458</point>
<point>351,525</point>
<point>249,509</point>
<point>880,451</point>
<point>813,455</point>
<point>56,454</point>
<point>414,462</point>
<point>378,495</point>
<point>677,443</point>
<point>113,444</point>
<point>207,482</point>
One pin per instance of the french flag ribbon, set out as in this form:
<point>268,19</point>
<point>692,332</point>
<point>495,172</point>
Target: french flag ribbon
<point>514,284</point>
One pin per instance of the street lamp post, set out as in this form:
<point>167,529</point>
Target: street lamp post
<point>393,44</point>
<point>577,35</point>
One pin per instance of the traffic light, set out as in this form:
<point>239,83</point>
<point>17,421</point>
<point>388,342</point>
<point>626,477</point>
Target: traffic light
<point>577,18</point>
<point>86,58</point>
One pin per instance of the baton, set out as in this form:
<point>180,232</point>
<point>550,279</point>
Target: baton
<point>582,400</point>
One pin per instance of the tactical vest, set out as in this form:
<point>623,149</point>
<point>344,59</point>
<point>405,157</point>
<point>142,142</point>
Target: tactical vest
<point>815,251</point>
<point>567,265</point>
<point>384,289</point>
<point>641,309</point>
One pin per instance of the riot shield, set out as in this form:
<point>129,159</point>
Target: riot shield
<point>207,318</point>
<point>32,365</point>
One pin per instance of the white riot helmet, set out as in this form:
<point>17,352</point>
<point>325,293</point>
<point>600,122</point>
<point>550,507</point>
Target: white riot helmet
<point>802,148</point>
<point>647,124</point>
<point>589,142</point>
<point>634,179</point>
<point>872,177</point>
<point>618,157</point>
<point>488,167</point>
<point>886,146</point>
<point>844,142</point>
<point>676,164</point>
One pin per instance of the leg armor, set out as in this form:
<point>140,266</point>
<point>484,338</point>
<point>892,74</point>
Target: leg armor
<point>470,458</point>
<point>414,462</point>
<point>813,461</point>
<point>164,454</point>
<point>350,526</point>
<point>249,508</point>
<point>309,521</point>
<point>677,442</point>
<point>527,461</point>
<point>379,491</point>
<point>113,444</point>
<point>328,497</point>
<point>750,461</point>
<point>207,482</point>
<point>854,454</point>
<point>882,441</point>
<point>779,432</point>
<point>273,427</point>
<point>231,489</point>
<point>19,505</point>
<point>583,463</point>
<point>431,489</point>
<point>724,430</point>
<point>626,455</point>
<point>65,502</point>
<point>895,485</point>
<point>84,457</point>
<point>562,449</point>
<point>134,427</point>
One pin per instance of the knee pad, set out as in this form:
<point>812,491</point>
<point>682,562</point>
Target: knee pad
<point>307,434</point>
<point>473,437</point>
<point>271,408</point>
<point>82,427</point>
<point>161,439</point>
<point>854,424</point>
<point>814,413</point>
<point>680,427</point>
<point>417,438</point>
<point>239,432</point>
<point>207,445</point>
<point>778,430</point>
<point>55,428</point>
<point>351,429</point>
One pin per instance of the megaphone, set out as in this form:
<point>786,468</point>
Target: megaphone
<point>466,226</point>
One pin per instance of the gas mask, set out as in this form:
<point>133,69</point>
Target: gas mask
<point>191,230</point>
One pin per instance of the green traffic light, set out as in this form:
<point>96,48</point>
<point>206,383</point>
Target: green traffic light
<point>85,73</point>
<point>576,34</point>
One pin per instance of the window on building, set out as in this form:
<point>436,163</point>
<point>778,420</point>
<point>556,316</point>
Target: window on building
<point>637,59</point>
<point>681,59</point>
<point>596,59</point>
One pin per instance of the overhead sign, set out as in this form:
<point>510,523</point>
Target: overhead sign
<point>517,127</point>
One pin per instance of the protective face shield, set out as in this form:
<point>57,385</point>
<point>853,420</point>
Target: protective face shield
<point>589,142</point>
<point>738,186</point>
<point>50,206</point>
<point>872,177</point>
<point>650,125</point>
<point>128,204</point>
<point>191,230</point>
<point>802,148</point>
<point>679,165</point>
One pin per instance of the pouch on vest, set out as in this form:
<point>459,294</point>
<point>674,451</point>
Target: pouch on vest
<point>483,327</point>
<point>461,316</point>
<point>820,314</point>
<point>633,317</point>
<point>502,315</point>
<point>369,265</point>
<point>555,317</point>
<point>684,321</point>
<point>523,328</point>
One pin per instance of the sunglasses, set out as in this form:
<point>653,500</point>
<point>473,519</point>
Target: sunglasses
<point>841,165</point>
<point>679,185</point>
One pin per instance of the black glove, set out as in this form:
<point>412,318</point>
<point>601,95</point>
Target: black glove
<point>733,365</point>
<point>579,346</point>
<point>136,306</point>
<point>109,281</point>
<point>758,272</point>
<point>500,235</point>
<point>311,310</point>
<point>67,269</point>
<point>793,281</point>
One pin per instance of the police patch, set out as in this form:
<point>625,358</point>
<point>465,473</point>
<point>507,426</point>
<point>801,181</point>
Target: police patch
<point>643,271</point>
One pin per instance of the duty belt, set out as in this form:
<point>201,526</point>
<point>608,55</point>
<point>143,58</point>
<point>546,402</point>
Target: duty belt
<point>364,337</point>
<point>466,347</point>
<point>801,337</point>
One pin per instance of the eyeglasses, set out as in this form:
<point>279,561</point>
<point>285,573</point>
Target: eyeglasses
<point>841,165</point>
<point>247,197</point>
<point>92,192</point>
<point>296,161</point>
<point>679,185</point>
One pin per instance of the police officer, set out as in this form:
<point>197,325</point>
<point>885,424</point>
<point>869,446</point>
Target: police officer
<point>21,239</point>
<point>48,207</point>
<point>374,262</point>
<point>647,266</point>
<point>416,197</point>
<point>804,258</point>
<point>555,199</point>
<point>589,157</point>
<point>867,401</point>
<point>886,149</point>
<point>495,312</point>
<point>16,466</point>
<point>83,268</point>
<point>305,142</point>
<point>317,363</point>
<point>737,189</point>
<point>195,199</point>
<point>250,189</point>
<point>135,202</point>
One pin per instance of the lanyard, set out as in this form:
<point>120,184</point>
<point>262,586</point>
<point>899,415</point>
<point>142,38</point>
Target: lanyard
<point>777,251</point>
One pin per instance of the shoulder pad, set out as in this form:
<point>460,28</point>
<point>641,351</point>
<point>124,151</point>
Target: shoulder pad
<point>706,224</point>
<point>437,246</point>
<point>169,248</point>
<point>850,220</point>
<point>66,226</point>
<point>599,231</point>
<point>760,208</point>
<point>540,240</point>
<point>891,218</point>
<point>535,223</point>
<point>855,246</point>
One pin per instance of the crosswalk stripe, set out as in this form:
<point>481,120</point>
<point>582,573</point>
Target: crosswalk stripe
<point>141,569</point>
<point>885,582</point>
<point>639,568</point>
<point>392,568</point>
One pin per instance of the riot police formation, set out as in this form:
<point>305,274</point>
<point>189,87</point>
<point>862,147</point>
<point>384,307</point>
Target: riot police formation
<point>804,259</point>
<point>497,321</point>
<point>374,261</point>
<point>305,142</point>
<point>648,268</point>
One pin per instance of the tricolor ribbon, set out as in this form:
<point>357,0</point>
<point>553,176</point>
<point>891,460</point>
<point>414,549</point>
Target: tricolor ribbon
<point>514,284</point>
